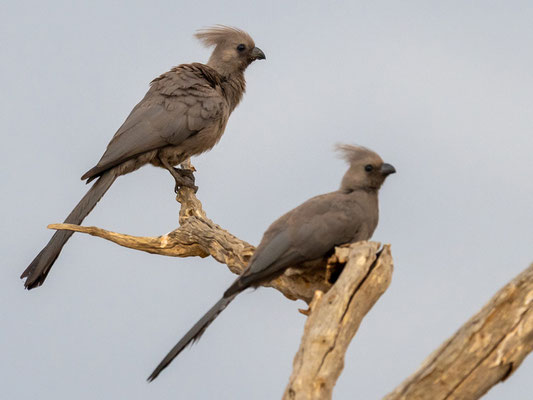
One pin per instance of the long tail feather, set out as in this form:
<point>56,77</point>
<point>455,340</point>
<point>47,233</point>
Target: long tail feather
<point>193,335</point>
<point>37,271</point>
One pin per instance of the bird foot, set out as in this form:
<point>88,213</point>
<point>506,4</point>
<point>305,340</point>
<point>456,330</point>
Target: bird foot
<point>305,312</point>
<point>186,173</point>
<point>184,178</point>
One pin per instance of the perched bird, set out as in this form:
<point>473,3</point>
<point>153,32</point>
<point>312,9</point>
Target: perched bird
<point>307,233</point>
<point>184,113</point>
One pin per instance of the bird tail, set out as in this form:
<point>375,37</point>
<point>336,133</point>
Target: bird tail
<point>37,271</point>
<point>193,335</point>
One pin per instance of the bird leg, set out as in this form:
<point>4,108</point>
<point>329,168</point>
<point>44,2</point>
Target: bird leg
<point>183,177</point>
<point>186,173</point>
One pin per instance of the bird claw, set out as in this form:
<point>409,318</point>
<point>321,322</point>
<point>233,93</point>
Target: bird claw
<point>186,173</point>
<point>184,178</point>
<point>305,312</point>
<point>185,184</point>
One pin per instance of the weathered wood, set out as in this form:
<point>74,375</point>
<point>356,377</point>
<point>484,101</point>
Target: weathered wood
<point>335,318</point>
<point>484,351</point>
<point>198,236</point>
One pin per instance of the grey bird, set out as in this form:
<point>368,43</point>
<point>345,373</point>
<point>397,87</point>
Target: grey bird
<point>307,233</point>
<point>184,113</point>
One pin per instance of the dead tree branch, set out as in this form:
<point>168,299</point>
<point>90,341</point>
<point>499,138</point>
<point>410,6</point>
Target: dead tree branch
<point>335,318</point>
<point>484,351</point>
<point>198,236</point>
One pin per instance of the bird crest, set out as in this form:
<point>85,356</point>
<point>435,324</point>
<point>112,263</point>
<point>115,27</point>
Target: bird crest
<point>218,34</point>
<point>352,153</point>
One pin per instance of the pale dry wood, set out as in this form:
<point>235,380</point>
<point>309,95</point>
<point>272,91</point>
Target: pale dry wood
<point>335,317</point>
<point>484,351</point>
<point>198,236</point>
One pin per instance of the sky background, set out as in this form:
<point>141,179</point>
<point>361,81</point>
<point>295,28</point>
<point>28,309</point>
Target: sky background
<point>442,90</point>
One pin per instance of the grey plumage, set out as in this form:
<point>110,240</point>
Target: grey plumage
<point>184,113</point>
<point>42,263</point>
<point>306,233</point>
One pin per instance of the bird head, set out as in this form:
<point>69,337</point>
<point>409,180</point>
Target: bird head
<point>367,170</point>
<point>234,49</point>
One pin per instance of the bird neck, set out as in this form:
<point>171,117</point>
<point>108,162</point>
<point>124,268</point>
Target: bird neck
<point>359,189</point>
<point>234,86</point>
<point>366,196</point>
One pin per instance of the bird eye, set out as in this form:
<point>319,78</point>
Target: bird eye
<point>368,168</point>
<point>241,47</point>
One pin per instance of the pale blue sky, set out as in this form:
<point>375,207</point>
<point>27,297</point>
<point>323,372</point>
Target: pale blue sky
<point>442,90</point>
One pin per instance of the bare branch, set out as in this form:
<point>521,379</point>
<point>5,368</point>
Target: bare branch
<point>335,318</point>
<point>198,236</point>
<point>484,351</point>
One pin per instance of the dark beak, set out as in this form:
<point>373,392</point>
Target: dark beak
<point>387,169</point>
<point>257,54</point>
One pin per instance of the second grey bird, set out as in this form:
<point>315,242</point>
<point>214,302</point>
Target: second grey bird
<point>307,233</point>
<point>183,114</point>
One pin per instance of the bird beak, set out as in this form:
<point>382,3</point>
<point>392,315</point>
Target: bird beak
<point>257,54</point>
<point>387,169</point>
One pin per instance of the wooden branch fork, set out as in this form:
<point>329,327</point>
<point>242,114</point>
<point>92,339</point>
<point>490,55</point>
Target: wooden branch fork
<point>486,350</point>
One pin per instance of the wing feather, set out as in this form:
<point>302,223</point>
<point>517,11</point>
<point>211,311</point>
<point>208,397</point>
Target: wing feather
<point>179,104</point>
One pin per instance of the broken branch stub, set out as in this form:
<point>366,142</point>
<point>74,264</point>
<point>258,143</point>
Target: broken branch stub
<point>335,317</point>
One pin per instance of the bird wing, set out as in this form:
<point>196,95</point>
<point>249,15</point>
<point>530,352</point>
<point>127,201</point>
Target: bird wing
<point>180,103</point>
<point>325,222</point>
<point>305,233</point>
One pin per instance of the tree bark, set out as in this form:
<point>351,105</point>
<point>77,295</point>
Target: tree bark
<point>335,318</point>
<point>198,236</point>
<point>484,351</point>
